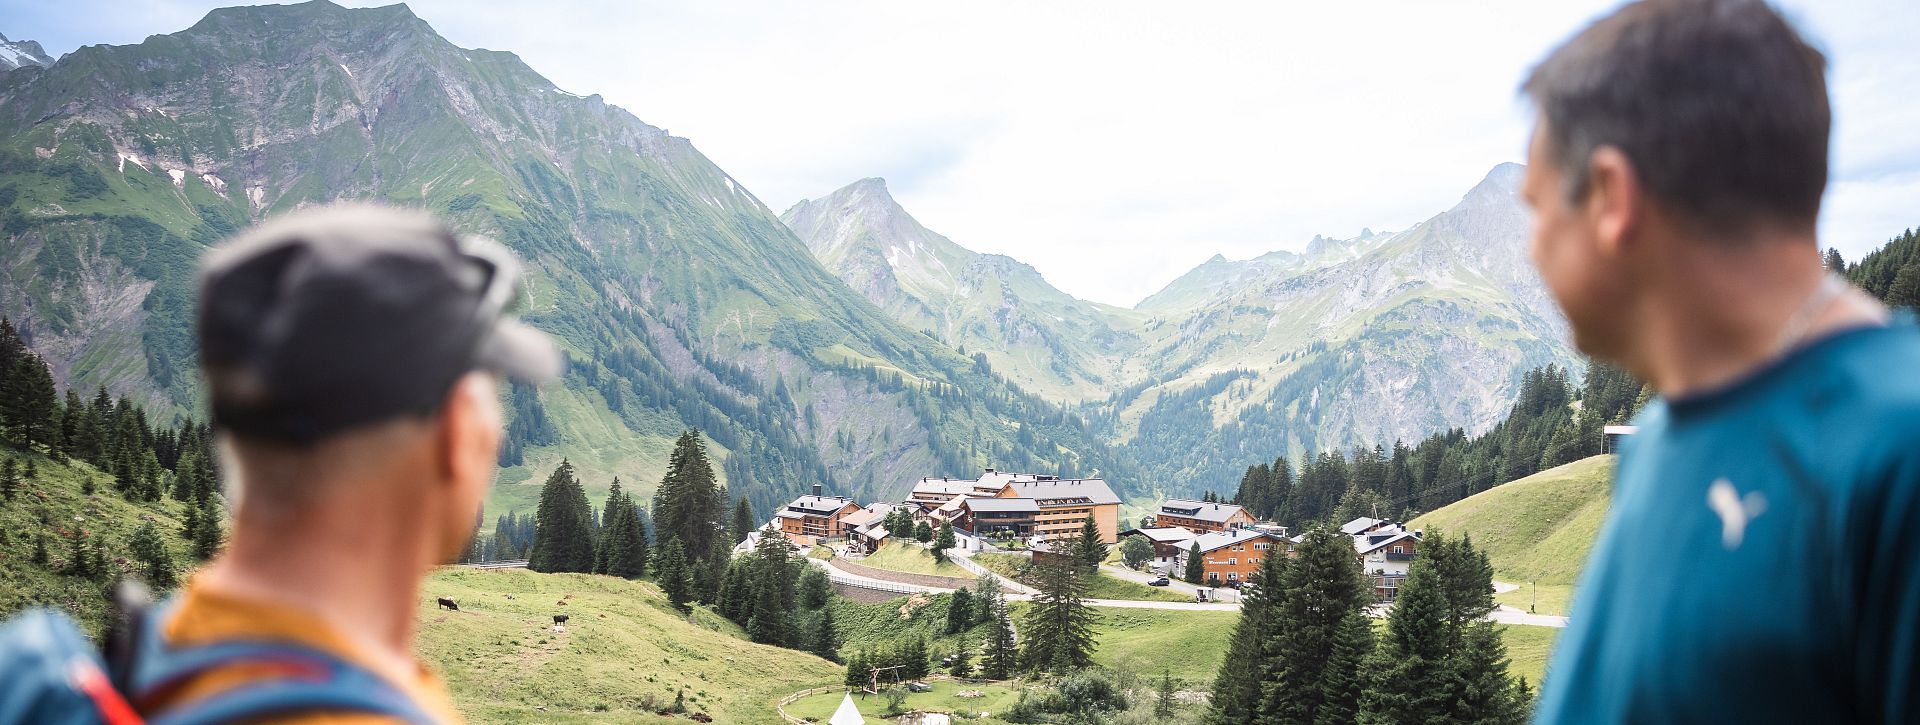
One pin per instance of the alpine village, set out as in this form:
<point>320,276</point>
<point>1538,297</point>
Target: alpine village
<point>791,475</point>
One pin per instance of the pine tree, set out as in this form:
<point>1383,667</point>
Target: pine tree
<point>1409,677</point>
<point>1237,688</point>
<point>1905,290</point>
<point>1344,679</point>
<point>1834,262</point>
<point>207,534</point>
<point>773,592</point>
<point>40,549</point>
<point>1196,567</point>
<point>1164,702</point>
<point>150,551</point>
<point>959,611</point>
<point>922,532</point>
<point>1000,656</point>
<point>962,664</point>
<point>1058,627</point>
<point>563,530</point>
<point>1479,668</point>
<point>29,401</point>
<point>859,669</point>
<point>689,504</point>
<point>914,663</point>
<point>9,478</point>
<point>1088,548</point>
<point>624,538</point>
<point>943,542</point>
<point>825,643</point>
<point>672,574</point>
<point>736,592</point>
<point>742,520</point>
<point>1319,588</point>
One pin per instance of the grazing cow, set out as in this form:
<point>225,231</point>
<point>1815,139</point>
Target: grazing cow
<point>560,619</point>
<point>448,603</point>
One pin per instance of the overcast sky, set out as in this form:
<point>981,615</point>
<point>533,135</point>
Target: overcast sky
<point>1112,145</point>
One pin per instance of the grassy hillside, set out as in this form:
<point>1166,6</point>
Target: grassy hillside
<point>1103,586</point>
<point>624,653</point>
<point>896,556</point>
<point>1538,528</point>
<point>53,505</point>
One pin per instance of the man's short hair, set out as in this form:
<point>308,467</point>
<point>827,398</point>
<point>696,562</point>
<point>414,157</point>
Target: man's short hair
<point>1720,105</point>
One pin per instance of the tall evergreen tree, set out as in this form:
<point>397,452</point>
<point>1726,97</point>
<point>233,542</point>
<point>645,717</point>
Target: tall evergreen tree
<point>207,534</point>
<point>773,593</point>
<point>1058,626</point>
<point>9,478</point>
<point>1344,679</point>
<point>825,643</point>
<point>689,504</point>
<point>1163,703</point>
<point>742,520</point>
<point>1196,565</point>
<point>671,572</point>
<point>999,660</point>
<point>959,611</point>
<point>29,401</point>
<point>1237,689</point>
<point>1088,549</point>
<point>563,529</point>
<point>1410,680</point>
<point>147,548</point>
<point>943,542</point>
<point>1318,590</point>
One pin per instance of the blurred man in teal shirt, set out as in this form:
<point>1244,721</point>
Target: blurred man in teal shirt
<point>1756,565</point>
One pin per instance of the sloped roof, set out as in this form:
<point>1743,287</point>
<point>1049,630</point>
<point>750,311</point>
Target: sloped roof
<point>1002,504</point>
<point>1217,513</point>
<point>819,504</point>
<point>1163,535</point>
<point>1358,525</point>
<point>1366,544</point>
<point>1067,492</point>
<point>1218,539</point>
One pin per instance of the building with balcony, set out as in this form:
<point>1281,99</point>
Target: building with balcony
<point>1201,517</point>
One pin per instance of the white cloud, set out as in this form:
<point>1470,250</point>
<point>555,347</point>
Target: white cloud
<point>1115,145</point>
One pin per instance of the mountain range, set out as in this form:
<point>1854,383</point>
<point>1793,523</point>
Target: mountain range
<point>1366,340</point>
<point>840,343</point>
<point>16,53</point>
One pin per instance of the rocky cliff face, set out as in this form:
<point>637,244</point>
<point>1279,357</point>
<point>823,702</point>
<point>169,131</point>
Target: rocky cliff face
<point>16,53</point>
<point>681,299</point>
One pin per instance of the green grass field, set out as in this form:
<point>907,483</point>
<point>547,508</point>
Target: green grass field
<point>1189,644</point>
<point>912,559</point>
<point>994,698</point>
<point>1545,598</point>
<point>1104,586</point>
<point>1538,528</point>
<point>1527,649</point>
<point>624,653</point>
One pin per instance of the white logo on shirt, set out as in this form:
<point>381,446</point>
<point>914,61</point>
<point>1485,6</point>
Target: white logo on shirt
<point>1735,511</point>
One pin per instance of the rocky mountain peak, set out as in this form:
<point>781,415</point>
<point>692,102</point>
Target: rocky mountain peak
<point>1499,187</point>
<point>20,53</point>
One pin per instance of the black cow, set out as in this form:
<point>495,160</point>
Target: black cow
<point>448,603</point>
<point>560,619</point>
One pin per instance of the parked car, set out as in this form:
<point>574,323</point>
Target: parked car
<point>1161,582</point>
<point>919,687</point>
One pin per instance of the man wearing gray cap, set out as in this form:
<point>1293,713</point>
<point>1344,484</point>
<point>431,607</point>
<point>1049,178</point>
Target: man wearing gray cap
<point>351,354</point>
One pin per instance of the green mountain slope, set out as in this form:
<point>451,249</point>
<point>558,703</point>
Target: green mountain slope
<point>681,300</point>
<point>1536,528</point>
<point>623,654</point>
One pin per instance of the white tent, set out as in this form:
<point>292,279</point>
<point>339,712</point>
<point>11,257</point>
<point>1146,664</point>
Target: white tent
<point>847,714</point>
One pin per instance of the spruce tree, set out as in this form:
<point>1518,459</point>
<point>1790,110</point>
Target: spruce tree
<point>147,548</point>
<point>1164,702</point>
<point>1237,689</point>
<point>825,643</point>
<point>815,588</point>
<point>30,400</point>
<point>207,534</point>
<point>962,664</point>
<point>1196,566</point>
<point>736,597</point>
<point>1344,679</point>
<point>1410,679</point>
<point>913,659</point>
<point>773,592</point>
<point>1088,549</point>
<point>859,669</point>
<point>40,556</point>
<point>9,478</point>
<point>1000,656</point>
<point>672,574</point>
<point>563,529</point>
<point>1318,589</point>
<point>943,542</point>
<point>742,521</point>
<point>689,504</point>
<point>959,611</point>
<point>1058,627</point>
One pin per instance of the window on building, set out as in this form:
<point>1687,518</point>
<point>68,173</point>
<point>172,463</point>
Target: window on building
<point>1233,561</point>
<point>1399,550</point>
<point>1233,575</point>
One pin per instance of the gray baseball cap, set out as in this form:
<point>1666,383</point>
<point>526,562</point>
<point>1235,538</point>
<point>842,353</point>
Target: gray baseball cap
<point>349,314</point>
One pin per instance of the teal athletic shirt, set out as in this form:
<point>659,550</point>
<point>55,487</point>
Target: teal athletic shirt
<point>1761,561</point>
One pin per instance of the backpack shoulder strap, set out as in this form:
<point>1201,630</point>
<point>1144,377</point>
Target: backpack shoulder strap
<point>305,679</point>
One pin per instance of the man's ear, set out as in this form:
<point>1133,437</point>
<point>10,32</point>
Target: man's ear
<point>1614,201</point>
<point>467,430</point>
